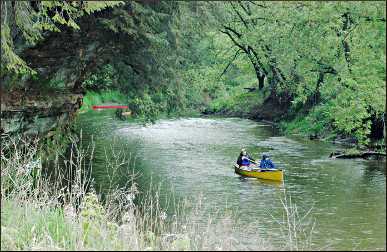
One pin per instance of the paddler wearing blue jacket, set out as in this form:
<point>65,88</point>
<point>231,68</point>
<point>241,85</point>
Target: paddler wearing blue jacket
<point>266,162</point>
<point>244,159</point>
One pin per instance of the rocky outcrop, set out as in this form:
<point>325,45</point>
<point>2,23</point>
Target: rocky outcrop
<point>37,115</point>
<point>37,106</point>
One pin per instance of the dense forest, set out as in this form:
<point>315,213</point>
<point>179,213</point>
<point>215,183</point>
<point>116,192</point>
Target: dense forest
<point>318,68</point>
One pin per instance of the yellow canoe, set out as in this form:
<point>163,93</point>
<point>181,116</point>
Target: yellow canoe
<point>271,174</point>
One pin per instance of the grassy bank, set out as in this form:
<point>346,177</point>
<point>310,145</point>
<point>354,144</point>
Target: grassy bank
<point>37,214</point>
<point>239,103</point>
<point>97,98</point>
<point>142,110</point>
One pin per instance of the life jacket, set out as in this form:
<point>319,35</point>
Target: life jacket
<point>266,164</point>
<point>245,161</point>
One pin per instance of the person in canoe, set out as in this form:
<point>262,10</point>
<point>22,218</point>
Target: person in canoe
<point>266,162</point>
<point>244,159</point>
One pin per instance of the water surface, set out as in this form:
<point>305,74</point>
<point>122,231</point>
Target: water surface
<point>193,157</point>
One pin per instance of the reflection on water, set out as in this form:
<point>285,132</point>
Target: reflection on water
<point>195,156</point>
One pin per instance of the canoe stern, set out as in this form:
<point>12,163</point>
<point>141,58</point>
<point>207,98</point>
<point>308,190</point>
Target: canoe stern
<point>262,174</point>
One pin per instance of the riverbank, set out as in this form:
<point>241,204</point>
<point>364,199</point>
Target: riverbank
<point>277,111</point>
<point>259,106</point>
<point>135,112</point>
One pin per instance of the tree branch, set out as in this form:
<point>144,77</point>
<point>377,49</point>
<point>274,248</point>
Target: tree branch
<point>239,15</point>
<point>248,12</point>
<point>228,65</point>
<point>250,49</point>
<point>233,31</point>
<point>257,4</point>
<point>273,63</point>
<point>373,19</point>
<point>233,40</point>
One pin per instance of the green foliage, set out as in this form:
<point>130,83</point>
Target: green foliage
<point>316,123</point>
<point>25,224</point>
<point>101,80</point>
<point>54,146</point>
<point>91,216</point>
<point>105,96</point>
<point>239,103</point>
<point>145,107</point>
<point>329,57</point>
<point>23,21</point>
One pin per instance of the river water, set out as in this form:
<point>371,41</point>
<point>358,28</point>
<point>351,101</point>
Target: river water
<point>193,158</point>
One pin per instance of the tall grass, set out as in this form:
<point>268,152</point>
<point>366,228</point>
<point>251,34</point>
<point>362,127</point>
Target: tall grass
<point>38,213</point>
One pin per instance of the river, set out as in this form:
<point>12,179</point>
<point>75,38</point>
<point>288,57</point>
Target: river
<point>193,157</point>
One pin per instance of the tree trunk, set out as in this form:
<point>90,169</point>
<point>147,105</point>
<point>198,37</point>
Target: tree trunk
<point>258,71</point>
<point>261,80</point>
<point>317,92</point>
<point>346,27</point>
<point>384,128</point>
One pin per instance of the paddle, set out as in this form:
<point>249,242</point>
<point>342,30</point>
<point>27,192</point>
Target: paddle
<point>252,161</point>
